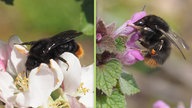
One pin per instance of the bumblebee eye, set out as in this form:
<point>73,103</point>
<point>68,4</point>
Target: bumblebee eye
<point>140,23</point>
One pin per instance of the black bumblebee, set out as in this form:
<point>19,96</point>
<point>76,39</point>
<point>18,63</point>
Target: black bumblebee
<point>156,37</point>
<point>43,50</point>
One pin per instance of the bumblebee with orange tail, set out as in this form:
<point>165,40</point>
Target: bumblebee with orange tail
<point>43,50</point>
<point>157,37</point>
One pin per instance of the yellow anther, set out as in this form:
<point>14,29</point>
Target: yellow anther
<point>82,89</point>
<point>59,103</point>
<point>21,82</point>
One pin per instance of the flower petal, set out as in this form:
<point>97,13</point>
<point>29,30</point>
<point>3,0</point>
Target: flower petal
<point>11,69</point>
<point>4,54</point>
<point>137,16</point>
<point>130,56</point>
<point>72,78</point>
<point>57,73</point>
<point>87,78</point>
<point>131,43</point>
<point>2,66</point>
<point>180,105</point>
<point>74,103</point>
<point>41,83</point>
<point>14,40</point>
<point>160,104</point>
<point>191,103</point>
<point>124,30</point>
<point>137,54</point>
<point>5,49</point>
<point>99,36</point>
<point>18,59</point>
<point>7,87</point>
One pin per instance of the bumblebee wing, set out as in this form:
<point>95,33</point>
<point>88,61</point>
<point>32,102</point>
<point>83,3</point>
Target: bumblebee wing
<point>175,39</point>
<point>179,40</point>
<point>66,36</point>
<point>62,38</point>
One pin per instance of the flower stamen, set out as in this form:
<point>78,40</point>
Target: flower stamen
<point>21,82</point>
<point>59,103</point>
<point>82,89</point>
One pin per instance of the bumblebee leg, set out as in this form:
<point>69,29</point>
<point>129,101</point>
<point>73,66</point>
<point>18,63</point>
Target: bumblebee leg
<point>161,45</point>
<point>27,74</point>
<point>144,52</point>
<point>63,60</point>
<point>144,44</point>
<point>28,43</point>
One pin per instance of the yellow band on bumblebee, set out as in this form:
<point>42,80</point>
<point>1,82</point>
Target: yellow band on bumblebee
<point>80,51</point>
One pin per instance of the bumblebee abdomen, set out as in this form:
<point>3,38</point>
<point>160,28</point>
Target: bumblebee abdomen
<point>151,62</point>
<point>80,52</point>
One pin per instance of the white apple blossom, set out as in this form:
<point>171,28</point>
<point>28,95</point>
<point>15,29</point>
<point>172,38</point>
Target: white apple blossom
<point>78,84</point>
<point>17,90</point>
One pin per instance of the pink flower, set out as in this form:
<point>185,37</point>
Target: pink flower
<point>103,30</point>
<point>160,104</point>
<point>17,90</point>
<point>76,82</point>
<point>5,51</point>
<point>130,56</point>
<point>126,29</point>
<point>2,66</point>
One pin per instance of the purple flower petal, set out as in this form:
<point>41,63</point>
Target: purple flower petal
<point>160,104</point>
<point>125,29</point>
<point>134,37</point>
<point>137,16</point>
<point>132,40</point>
<point>137,54</point>
<point>130,56</point>
<point>98,37</point>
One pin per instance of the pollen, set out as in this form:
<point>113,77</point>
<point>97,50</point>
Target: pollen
<point>59,103</point>
<point>80,51</point>
<point>153,52</point>
<point>151,62</point>
<point>82,89</point>
<point>21,82</point>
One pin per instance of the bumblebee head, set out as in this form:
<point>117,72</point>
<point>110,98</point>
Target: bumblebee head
<point>31,63</point>
<point>153,23</point>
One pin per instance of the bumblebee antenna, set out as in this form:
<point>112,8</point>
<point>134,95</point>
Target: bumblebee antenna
<point>143,7</point>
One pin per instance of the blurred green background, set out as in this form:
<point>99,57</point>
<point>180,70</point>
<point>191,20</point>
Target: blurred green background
<point>171,82</point>
<point>36,19</point>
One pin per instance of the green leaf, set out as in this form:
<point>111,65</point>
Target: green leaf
<point>120,43</point>
<point>56,16</point>
<point>116,100</point>
<point>107,76</point>
<point>127,84</point>
<point>86,28</point>
<point>88,8</point>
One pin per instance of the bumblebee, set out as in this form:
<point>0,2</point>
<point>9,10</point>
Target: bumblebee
<point>43,50</point>
<point>157,37</point>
